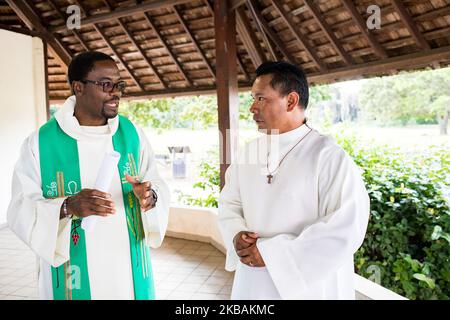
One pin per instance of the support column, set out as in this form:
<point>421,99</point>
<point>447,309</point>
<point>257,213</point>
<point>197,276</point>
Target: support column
<point>226,83</point>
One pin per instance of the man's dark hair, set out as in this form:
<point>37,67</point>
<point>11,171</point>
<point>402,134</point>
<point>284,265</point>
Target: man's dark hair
<point>83,63</point>
<point>286,78</point>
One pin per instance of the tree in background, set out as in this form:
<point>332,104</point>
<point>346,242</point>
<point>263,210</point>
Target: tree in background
<point>420,98</point>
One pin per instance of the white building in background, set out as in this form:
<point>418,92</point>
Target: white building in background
<point>22,104</point>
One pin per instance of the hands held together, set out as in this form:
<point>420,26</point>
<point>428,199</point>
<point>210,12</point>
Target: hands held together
<point>245,246</point>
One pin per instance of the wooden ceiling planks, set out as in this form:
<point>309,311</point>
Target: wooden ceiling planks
<point>167,47</point>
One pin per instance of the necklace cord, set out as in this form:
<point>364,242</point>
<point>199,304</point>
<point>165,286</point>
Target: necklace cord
<point>279,164</point>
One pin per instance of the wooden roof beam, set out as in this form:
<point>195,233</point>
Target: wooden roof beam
<point>166,46</point>
<point>422,58</point>
<point>144,56</point>
<point>64,17</point>
<point>124,64</point>
<point>137,46</point>
<point>379,50</point>
<point>264,28</point>
<point>328,32</point>
<point>298,35</point>
<point>410,25</point>
<point>25,12</point>
<point>248,38</point>
<point>122,12</point>
<point>270,48</point>
<point>194,41</point>
<point>241,66</point>
<point>111,47</point>
<point>234,4</point>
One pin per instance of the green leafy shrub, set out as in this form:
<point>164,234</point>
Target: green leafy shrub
<point>407,237</point>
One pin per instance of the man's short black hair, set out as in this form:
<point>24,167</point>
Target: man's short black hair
<point>286,78</point>
<point>83,63</point>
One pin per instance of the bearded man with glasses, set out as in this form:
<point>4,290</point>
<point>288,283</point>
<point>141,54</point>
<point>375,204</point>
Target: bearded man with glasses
<point>53,191</point>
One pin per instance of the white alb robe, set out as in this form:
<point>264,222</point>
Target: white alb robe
<point>36,219</point>
<point>310,220</point>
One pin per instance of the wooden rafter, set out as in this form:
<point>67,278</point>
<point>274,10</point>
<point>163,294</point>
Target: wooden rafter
<point>298,35</point>
<point>328,32</point>
<point>263,25</point>
<point>194,41</point>
<point>111,47</point>
<point>166,47</point>
<point>379,50</point>
<point>248,38</point>
<point>271,51</point>
<point>124,64</point>
<point>432,14</point>
<point>241,66</point>
<point>410,25</point>
<point>234,4</point>
<point>142,52</point>
<point>26,13</point>
<point>123,12</point>
<point>64,17</point>
<point>137,46</point>
<point>382,66</point>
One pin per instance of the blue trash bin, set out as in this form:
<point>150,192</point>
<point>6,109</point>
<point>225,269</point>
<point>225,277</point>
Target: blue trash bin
<point>179,156</point>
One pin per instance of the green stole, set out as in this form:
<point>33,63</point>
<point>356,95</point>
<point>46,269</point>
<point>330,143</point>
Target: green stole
<point>60,175</point>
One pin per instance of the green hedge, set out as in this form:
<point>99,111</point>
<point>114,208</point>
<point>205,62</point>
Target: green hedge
<point>407,241</point>
<point>407,245</point>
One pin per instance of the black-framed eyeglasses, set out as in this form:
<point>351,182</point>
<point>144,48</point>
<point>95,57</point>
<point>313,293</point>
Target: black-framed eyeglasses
<point>108,86</point>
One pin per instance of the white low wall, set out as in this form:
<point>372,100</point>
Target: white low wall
<point>200,224</point>
<point>195,223</point>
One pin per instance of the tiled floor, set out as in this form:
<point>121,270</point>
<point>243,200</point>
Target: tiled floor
<point>182,269</point>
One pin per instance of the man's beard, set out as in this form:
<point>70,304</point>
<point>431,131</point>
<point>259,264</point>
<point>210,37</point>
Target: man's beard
<point>109,115</point>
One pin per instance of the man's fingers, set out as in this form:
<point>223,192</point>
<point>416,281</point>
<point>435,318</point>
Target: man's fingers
<point>245,252</point>
<point>101,210</point>
<point>147,207</point>
<point>253,235</point>
<point>97,193</point>
<point>130,179</point>
<point>245,237</point>
<point>147,204</point>
<point>102,202</point>
<point>246,260</point>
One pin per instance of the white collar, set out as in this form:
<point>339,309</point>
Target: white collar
<point>292,136</point>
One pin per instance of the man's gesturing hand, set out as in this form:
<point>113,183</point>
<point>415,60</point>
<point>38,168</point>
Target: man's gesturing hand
<point>142,191</point>
<point>90,202</point>
<point>245,246</point>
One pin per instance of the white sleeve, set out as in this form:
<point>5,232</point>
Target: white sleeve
<point>34,219</point>
<point>155,220</point>
<point>328,243</point>
<point>231,215</point>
